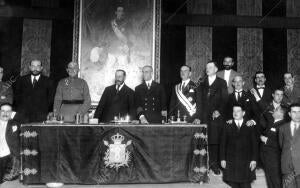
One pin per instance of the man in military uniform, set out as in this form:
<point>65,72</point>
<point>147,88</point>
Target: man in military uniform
<point>72,95</point>
<point>150,99</point>
<point>185,99</point>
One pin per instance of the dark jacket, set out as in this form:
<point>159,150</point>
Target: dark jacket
<point>113,103</point>
<point>247,101</point>
<point>265,99</point>
<point>12,137</point>
<point>238,148</point>
<point>213,98</point>
<point>271,132</point>
<point>34,102</point>
<point>290,152</point>
<point>150,102</point>
<point>191,93</point>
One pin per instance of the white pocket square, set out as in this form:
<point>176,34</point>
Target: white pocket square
<point>273,129</point>
<point>14,128</point>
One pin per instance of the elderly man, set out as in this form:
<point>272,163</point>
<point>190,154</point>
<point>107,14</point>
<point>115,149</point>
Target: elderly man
<point>228,74</point>
<point>72,95</point>
<point>289,141</point>
<point>117,100</point>
<point>185,98</point>
<point>150,99</point>
<point>9,141</point>
<point>34,94</point>
<point>291,91</point>
<point>6,92</point>
<point>242,97</point>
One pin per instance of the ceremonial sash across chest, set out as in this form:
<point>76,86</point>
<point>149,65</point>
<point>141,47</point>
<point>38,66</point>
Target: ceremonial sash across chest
<point>191,108</point>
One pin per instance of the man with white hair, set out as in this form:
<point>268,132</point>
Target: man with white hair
<point>72,95</point>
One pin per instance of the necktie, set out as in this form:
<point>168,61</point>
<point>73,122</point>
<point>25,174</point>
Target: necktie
<point>238,124</point>
<point>295,129</point>
<point>182,86</point>
<point>118,87</point>
<point>34,82</point>
<point>148,85</point>
<point>238,95</point>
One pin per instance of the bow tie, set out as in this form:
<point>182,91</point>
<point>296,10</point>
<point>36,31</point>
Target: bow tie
<point>260,87</point>
<point>238,91</point>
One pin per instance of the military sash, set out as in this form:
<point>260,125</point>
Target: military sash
<point>191,108</point>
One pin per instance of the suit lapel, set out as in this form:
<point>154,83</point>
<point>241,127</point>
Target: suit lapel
<point>259,92</point>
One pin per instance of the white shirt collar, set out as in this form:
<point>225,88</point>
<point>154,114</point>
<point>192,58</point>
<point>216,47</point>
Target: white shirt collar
<point>227,70</point>
<point>276,120</point>
<point>36,77</point>
<point>186,81</point>
<point>238,90</point>
<point>260,86</point>
<point>239,122</point>
<point>149,82</point>
<point>211,79</point>
<point>276,105</point>
<point>120,86</point>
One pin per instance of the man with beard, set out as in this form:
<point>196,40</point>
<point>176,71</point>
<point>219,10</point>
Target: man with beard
<point>117,100</point>
<point>72,95</point>
<point>291,90</point>
<point>228,74</point>
<point>34,94</point>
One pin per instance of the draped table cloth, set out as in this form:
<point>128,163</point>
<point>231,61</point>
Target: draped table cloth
<point>113,154</point>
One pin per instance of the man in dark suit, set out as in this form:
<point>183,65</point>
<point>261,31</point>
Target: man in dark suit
<point>34,94</point>
<point>238,151</point>
<point>291,90</point>
<point>185,98</point>
<point>9,142</point>
<point>289,141</point>
<point>261,92</point>
<point>150,99</point>
<point>243,97</point>
<point>117,100</point>
<point>270,150</point>
<point>228,73</point>
<point>276,103</point>
<point>214,95</point>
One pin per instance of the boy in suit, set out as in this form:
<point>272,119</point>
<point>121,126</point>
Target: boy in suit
<point>238,151</point>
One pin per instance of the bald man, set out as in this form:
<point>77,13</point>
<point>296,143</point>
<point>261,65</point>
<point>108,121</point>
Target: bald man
<point>72,95</point>
<point>150,99</point>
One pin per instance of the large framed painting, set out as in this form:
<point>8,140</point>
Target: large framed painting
<point>116,34</point>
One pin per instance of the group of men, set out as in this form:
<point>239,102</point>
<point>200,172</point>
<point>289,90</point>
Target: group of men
<point>244,127</point>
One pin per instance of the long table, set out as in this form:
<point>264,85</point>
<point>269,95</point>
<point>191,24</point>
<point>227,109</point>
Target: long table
<point>113,154</point>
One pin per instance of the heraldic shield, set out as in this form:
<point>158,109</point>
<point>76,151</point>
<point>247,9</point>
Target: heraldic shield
<point>117,155</point>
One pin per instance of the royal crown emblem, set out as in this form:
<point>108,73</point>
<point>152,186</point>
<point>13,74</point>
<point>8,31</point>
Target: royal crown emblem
<point>117,155</point>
